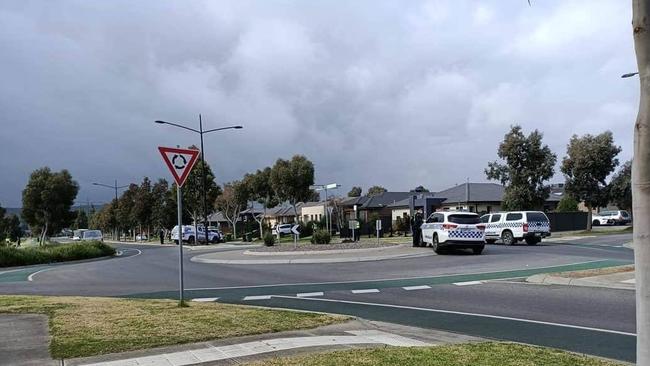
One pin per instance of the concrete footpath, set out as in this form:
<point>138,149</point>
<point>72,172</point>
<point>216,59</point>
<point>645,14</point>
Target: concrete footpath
<point>353,334</point>
<point>25,340</point>
<point>322,256</point>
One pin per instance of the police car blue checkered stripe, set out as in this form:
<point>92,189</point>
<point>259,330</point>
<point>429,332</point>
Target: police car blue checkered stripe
<point>457,234</point>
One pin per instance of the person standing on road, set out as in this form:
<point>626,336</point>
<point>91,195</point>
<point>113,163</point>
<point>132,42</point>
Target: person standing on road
<point>416,223</point>
<point>161,233</point>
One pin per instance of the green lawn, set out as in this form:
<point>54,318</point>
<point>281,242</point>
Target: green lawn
<point>87,326</point>
<point>484,354</point>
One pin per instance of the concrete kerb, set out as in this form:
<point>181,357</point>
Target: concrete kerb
<point>197,259</point>
<point>321,252</point>
<point>595,281</point>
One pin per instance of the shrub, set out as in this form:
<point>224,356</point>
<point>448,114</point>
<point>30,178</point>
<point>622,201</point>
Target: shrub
<point>228,237</point>
<point>321,237</point>
<point>307,229</point>
<point>269,239</point>
<point>10,256</point>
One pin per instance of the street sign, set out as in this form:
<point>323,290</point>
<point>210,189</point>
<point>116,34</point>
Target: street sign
<point>179,162</point>
<point>294,229</point>
<point>353,224</point>
<point>332,186</point>
<point>378,225</point>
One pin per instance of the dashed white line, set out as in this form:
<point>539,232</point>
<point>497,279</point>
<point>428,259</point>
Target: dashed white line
<point>205,299</point>
<point>261,297</point>
<point>309,294</point>
<point>412,288</point>
<point>468,283</point>
<point>365,291</point>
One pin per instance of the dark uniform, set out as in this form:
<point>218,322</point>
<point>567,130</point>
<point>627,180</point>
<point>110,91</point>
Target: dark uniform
<point>416,223</point>
<point>162,236</point>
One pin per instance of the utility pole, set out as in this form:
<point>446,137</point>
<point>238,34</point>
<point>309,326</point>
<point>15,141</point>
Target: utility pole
<point>115,187</point>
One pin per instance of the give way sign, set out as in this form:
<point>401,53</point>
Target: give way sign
<point>179,162</point>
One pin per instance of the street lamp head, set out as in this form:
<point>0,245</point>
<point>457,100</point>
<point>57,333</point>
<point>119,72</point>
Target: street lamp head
<point>629,75</point>
<point>238,127</point>
<point>160,122</point>
<point>95,184</point>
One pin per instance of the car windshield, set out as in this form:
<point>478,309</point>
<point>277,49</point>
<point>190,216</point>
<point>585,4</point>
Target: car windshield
<point>464,219</point>
<point>536,216</point>
<point>624,214</point>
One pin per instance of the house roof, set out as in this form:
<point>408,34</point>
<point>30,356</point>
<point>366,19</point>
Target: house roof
<point>282,211</point>
<point>478,192</point>
<point>385,199</point>
<point>312,204</point>
<point>217,217</point>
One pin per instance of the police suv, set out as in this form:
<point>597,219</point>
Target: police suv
<point>511,227</point>
<point>453,229</point>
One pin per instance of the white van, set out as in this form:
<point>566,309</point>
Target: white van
<point>514,226</point>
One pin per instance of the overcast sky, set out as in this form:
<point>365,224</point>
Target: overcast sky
<point>395,93</point>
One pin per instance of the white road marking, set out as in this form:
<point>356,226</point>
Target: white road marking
<point>392,279</point>
<point>412,288</point>
<point>205,299</point>
<point>468,283</point>
<point>262,297</point>
<point>464,313</point>
<point>631,280</point>
<point>365,291</point>
<point>132,256</point>
<point>309,294</point>
<point>30,278</point>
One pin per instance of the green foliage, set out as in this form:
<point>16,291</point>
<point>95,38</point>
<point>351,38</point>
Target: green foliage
<point>11,256</point>
<point>231,202</point>
<point>163,206</point>
<point>567,204</point>
<point>620,188</point>
<point>321,237</point>
<point>269,239</point>
<point>308,228</point>
<point>290,180</point>
<point>590,159</point>
<point>528,164</point>
<point>355,192</point>
<point>419,189</point>
<point>47,199</point>
<point>12,228</point>
<point>81,221</point>
<point>376,190</point>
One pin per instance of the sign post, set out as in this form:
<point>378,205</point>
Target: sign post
<point>180,162</point>
<point>378,226</point>
<point>353,224</point>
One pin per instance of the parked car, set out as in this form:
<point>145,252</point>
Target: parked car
<point>617,217</point>
<point>141,237</point>
<point>89,235</point>
<point>511,227</point>
<point>77,235</point>
<point>217,236</point>
<point>601,219</point>
<point>283,229</point>
<point>189,235</point>
<point>461,230</point>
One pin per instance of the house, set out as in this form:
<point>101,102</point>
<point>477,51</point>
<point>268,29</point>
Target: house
<point>312,211</point>
<point>472,197</point>
<point>283,214</point>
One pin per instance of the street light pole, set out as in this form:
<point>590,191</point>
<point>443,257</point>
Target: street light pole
<point>115,187</point>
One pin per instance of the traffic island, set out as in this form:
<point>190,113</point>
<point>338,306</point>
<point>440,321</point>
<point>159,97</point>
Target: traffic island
<point>618,277</point>
<point>316,254</point>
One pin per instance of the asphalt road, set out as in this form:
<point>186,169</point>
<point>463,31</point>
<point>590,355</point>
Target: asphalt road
<point>477,295</point>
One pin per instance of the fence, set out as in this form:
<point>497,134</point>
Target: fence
<point>567,221</point>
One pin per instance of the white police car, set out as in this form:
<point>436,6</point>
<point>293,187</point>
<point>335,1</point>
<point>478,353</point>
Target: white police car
<point>453,229</point>
<point>511,227</point>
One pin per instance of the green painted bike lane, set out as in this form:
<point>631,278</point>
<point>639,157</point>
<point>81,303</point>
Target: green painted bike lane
<point>19,275</point>
<point>236,293</point>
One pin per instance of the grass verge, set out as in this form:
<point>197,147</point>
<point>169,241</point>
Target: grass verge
<point>608,231</point>
<point>11,256</point>
<point>485,354</point>
<point>88,326</point>
<point>596,272</point>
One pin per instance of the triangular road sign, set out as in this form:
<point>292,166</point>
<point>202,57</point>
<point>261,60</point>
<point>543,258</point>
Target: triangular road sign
<point>179,162</point>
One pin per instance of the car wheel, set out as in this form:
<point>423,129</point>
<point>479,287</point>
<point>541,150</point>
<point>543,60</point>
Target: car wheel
<point>436,245</point>
<point>490,241</point>
<point>595,223</point>
<point>532,241</point>
<point>507,237</point>
<point>478,250</point>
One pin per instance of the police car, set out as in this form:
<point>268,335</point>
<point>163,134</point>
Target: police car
<point>511,227</point>
<point>453,229</point>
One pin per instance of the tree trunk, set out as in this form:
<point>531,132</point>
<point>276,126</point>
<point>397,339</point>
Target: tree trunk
<point>43,234</point>
<point>641,181</point>
<point>589,218</point>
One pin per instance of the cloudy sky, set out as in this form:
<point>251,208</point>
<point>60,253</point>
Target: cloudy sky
<point>396,93</point>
